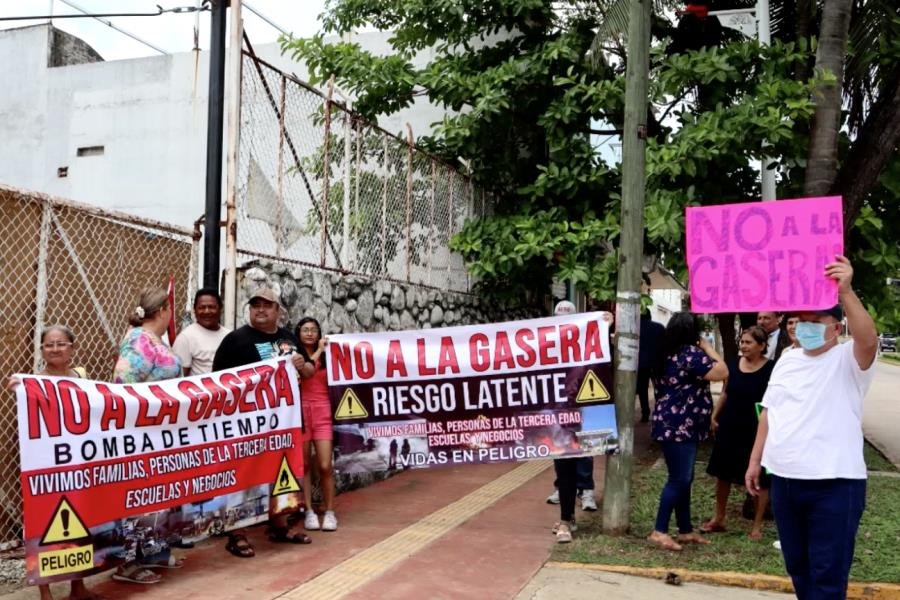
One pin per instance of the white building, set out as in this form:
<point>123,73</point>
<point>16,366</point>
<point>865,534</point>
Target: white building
<point>128,135</point>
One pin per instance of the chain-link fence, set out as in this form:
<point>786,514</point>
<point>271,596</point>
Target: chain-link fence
<point>82,267</point>
<point>319,186</point>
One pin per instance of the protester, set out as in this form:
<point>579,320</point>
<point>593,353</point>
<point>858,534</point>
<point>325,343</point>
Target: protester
<point>771,323</point>
<point>683,370</point>
<point>142,354</point>
<point>317,427</point>
<point>260,339</point>
<point>810,439</point>
<point>791,329</point>
<point>734,423</point>
<point>144,357</point>
<point>57,349</point>
<point>572,475</point>
<point>651,336</point>
<point>197,343</point>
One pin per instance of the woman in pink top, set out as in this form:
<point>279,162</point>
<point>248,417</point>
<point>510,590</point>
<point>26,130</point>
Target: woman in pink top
<point>317,430</point>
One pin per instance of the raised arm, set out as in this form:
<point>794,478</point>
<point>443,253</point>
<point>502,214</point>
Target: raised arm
<point>719,372</point>
<point>862,327</point>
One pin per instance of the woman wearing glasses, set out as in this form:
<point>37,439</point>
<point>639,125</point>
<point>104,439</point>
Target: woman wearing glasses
<point>317,429</point>
<point>57,349</point>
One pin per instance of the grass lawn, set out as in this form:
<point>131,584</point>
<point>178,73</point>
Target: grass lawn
<point>892,358</point>
<point>876,558</point>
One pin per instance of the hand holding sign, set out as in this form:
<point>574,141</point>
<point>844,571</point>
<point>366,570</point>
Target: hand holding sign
<point>841,271</point>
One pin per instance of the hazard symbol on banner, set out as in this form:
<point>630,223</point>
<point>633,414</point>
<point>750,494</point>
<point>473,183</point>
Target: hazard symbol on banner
<point>65,526</point>
<point>350,407</point>
<point>285,481</point>
<point>592,389</point>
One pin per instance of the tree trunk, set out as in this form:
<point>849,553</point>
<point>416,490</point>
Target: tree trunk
<point>874,147</point>
<point>821,169</point>
<point>804,17</point>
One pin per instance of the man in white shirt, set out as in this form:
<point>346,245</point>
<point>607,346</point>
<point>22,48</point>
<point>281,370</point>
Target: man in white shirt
<point>810,439</point>
<point>196,345</point>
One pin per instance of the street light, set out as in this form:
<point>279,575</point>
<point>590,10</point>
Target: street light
<point>748,21</point>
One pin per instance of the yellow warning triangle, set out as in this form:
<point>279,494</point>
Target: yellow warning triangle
<point>285,481</point>
<point>350,407</point>
<point>65,526</point>
<point>591,390</point>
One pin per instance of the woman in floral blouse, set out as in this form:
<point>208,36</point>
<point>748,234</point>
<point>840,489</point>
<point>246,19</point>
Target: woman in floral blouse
<point>142,354</point>
<point>685,366</point>
<point>144,357</point>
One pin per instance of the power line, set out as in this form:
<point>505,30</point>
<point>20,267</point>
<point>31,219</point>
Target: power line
<point>86,15</point>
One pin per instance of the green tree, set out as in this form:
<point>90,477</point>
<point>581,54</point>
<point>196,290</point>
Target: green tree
<point>524,91</point>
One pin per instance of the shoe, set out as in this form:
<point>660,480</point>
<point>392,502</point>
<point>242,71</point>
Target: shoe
<point>553,498</point>
<point>777,544</point>
<point>311,522</point>
<point>587,500</point>
<point>563,534</point>
<point>572,525</point>
<point>329,521</point>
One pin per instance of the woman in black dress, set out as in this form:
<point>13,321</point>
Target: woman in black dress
<point>734,422</point>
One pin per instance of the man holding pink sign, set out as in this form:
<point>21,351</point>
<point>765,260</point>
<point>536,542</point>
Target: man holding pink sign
<point>787,256</point>
<point>810,439</point>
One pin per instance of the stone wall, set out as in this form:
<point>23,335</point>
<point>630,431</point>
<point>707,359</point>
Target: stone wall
<point>351,303</point>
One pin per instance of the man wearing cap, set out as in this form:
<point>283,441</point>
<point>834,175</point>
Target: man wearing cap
<point>810,439</point>
<point>260,339</point>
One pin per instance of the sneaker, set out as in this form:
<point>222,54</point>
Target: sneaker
<point>311,522</point>
<point>329,521</point>
<point>587,500</point>
<point>553,498</point>
<point>777,544</point>
<point>563,534</point>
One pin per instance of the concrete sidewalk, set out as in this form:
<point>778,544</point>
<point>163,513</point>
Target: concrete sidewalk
<point>881,411</point>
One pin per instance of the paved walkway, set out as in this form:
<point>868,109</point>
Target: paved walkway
<point>555,583</point>
<point>881,411</point>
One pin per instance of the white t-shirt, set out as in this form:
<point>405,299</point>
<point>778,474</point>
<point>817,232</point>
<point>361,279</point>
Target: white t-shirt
<point>815,415</point>
<point>196,347</point>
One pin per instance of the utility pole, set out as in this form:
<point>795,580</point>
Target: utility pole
<point>216,108</point>
<point>617,486</point>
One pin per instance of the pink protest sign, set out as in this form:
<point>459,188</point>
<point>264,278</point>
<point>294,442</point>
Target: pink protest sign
<point>763,255</point>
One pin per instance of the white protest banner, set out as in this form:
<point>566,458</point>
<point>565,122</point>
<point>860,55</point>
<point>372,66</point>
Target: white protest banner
<point>109,470</point>
<point>485,393</point>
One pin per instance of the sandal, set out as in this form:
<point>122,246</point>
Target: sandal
<point>692,538</point>
<point>239,546</point>
<point>282,535</point>
<point>712,527</point>
<point>134,573</point>
<point>172,563</point>
<point>662,540</point>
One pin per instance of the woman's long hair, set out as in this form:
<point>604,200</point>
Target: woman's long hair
<point>682,330</point>
<point>302,348</point>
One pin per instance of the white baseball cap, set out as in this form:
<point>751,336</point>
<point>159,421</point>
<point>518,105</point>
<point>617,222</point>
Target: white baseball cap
<point>564,307</point>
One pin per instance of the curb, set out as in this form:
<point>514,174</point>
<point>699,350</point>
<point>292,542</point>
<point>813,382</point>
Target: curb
<point>755,581</point>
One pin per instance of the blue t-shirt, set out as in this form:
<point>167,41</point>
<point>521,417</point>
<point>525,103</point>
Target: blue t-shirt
<point>683,402</point>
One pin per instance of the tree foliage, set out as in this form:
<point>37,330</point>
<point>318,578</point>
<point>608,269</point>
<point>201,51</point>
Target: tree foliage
<point>525,82</point>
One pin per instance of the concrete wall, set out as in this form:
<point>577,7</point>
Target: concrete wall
<point>148,114</point>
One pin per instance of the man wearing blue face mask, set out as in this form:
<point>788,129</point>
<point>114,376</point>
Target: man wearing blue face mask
<point>810,438</point>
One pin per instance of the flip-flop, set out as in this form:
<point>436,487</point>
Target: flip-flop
<point>710,527</point>
<point>666,543</point>
<point>282,535</point>
<point>691,538</point>
<point>137,575</point>
<point>240,546</point>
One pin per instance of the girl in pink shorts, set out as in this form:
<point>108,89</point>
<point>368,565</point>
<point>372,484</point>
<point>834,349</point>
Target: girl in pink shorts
<point>317,429</point>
